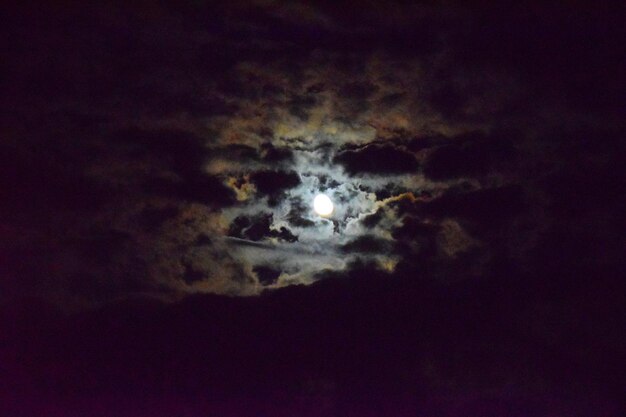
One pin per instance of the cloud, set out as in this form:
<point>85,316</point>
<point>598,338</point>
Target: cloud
<point>267,275</point>
<point>196,133</point>
<point>366,244</point>
<point>258,228</point>
<point>486,208</point>
<point>158,152</point>
<point>274,183</point>
<point>202,188</point>
<point>471,154</point>
<point>377,159</point>
<point>297,213</point>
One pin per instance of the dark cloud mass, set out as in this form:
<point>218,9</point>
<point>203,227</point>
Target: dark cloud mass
<point>376,159</point>
<point>159,250</point>
<point>471,155</point>
<point>266,274</point>
<point>366,244</point>
<point>273,183</point>
<point>257,228</point>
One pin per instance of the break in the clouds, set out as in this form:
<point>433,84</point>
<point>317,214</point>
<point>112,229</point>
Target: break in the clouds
<point>188,160</point>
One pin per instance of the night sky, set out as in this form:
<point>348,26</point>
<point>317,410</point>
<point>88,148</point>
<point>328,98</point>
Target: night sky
<point>159,251</point>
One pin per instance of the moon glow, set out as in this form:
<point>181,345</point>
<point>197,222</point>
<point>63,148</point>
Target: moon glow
<point>323,205</point>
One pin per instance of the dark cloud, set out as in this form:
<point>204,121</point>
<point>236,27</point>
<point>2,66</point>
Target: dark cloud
<point>266,274</point>
<point>266,153</point>
<point>471,154</point>
<point>417,241</point>
<point>296,216</point>
<point>239,152</point>
<point>175,152</point>
<point>250,228</point>
<point>366,244</point>
<point>377,159</point>
<point>326,182</point>
<point>203,188</point>
<point>192,275</point>
<point>487,207</point>
<point>413,229</point>
<point>258,228</point>
<point>285,234</point>
<point>272,154</point>
<point>356,95</point>
<point>372,220</point>
<point>203,240</point>
<point>300,106</point>
<point>389,190</point>
<point>273,183</point>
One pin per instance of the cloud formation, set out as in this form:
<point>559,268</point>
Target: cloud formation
<point>146,166</point>
<point>159,251</point>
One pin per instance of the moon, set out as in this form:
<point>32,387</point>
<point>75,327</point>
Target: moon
<point>323,205</point>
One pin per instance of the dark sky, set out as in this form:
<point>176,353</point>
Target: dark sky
<point>159,252</point>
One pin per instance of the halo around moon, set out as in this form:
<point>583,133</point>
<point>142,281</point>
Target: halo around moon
<point>323,205</point>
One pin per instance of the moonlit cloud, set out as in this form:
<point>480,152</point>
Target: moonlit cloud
<point>160,253</point>
<point>210,135</point>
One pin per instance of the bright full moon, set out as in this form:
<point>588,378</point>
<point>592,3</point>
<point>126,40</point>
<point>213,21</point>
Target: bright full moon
<point>322,205</point>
